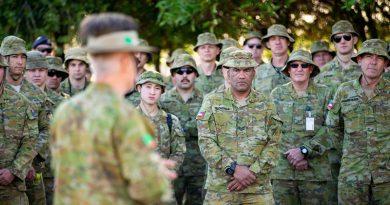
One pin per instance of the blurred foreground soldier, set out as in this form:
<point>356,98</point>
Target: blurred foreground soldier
<point>43,45</point>
<point>102,153</point>
<point>252,43</point>
<point>321,53</point>
<point>301,104</point>
<point>17,139</point>
<point>239,132</point>
<point>56,74</point>
<point>77,64</point>
<point>208,48</point>
<point>358,120</point>
<point>269,75</point>
<point>14,50</point>
<point>184,101</point>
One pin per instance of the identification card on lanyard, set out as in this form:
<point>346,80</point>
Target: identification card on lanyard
<point>309,120</point>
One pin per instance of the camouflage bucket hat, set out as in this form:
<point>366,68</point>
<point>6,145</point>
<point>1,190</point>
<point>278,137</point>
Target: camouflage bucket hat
<point>76,54</point>
<point>276,30</point>
<point>184,60</point>
<point>252,34</point>
<point>304,56</point>
<point>151,76</point>
<point>319,46</point>
<point>342,26</point>
<point>207,38</point>
<point>36,59</point>
<point>55,63</point>
<point>175,53</point>
<point>373,46</point>
<point>3,63</point>
<point>143,42</point>
<point>240,59</point>
<point>225,56</point>
<point>229,42</point>
<point>12,45</point>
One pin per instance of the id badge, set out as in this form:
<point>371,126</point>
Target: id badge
<point>309,123</point>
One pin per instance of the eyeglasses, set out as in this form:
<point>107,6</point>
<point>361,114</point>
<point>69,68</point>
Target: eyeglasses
<point>251,46</point>
<point>186,69</point>
<point>52,73</point>
<point>337,39</point>
<point>45,50</point>
<point>296,65</point>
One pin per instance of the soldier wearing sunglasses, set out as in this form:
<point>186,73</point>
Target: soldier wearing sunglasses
<point>252,43</point>
<point>56,74</point>
<point>43,45</point>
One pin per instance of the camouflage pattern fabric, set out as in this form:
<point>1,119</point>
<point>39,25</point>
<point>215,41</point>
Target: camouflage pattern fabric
<point>359,194</point>
<point>189,190</point>
<point>65,87</point>
<point>248,134</point>
<point>217,198</point>
<point>134,97</point>
<point>268,77</point>
<point>102,152</point>
<point>207,83</point>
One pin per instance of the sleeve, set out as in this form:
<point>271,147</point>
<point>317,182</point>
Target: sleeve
<point>270,153</point>
<point>42,146</point>
<point>178,143</point>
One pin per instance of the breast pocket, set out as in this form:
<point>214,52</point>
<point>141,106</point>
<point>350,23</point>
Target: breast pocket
<point>352,118</point>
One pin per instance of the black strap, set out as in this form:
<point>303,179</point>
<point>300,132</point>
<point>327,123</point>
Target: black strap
<point>169,122</point>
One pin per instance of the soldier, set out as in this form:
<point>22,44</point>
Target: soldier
<point>208,48</point>
<point>14,50</point>
<point>238,136</point>
<point>252,43</point>
<point>55,75</point>
<point>358,122</point>
<point>102,153</point>
<point>170,135</point>
<point>76,63</point>
<point>184,101</point>
<point>169,83</point>
<point>17,141</point>
<point>301,104</point>
<point>269,75</point>
<point>321,53</point>
<point>229,42</point>
<point>43,45</point>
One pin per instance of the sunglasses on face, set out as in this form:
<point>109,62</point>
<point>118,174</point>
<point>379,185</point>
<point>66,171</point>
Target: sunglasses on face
<point>45,50</point>
<point>52,73</point>
<point>251,46</point>
<point>188,70</point>
<point>337,39</point>
<point>296,65</point>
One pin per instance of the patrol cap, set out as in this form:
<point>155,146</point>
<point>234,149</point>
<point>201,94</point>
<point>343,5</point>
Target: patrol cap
<point>229,42</point>
<point>342,26</point>
<point>36,59</point>
<point>225,56</point>
<point>304,56</point>
<point>319,46</point>
<point>252,34</point>
<point>184,60</point>
<point>151,76</point>
<point>207,38</point>
<point>76,53</point>
<point>240,59</point>
<point>3,63</point>
<point>55,63</point>
<point>373,46</point>
<point>175,53</point>
<point>12,45</point>
<point>276,30</point>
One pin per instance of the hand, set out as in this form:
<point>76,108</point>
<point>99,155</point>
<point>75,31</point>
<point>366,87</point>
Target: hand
<point>6,177</point>
<point>244,175</point>
<point>235,185</point>
<point>302,165</point>
<point>31,174</point>
<point>168,165</point>
<point>294,156</point>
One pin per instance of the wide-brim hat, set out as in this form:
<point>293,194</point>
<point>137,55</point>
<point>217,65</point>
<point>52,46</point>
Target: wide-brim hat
<point>76,53</point>
<point>55,63</point>
<point>321,46</point>
<point>240,59</point>
<point>276,30</point>
<point>304,56</point>
<point>36,59</point>
<point>175,53</point>
<point>3,63</point>
<point>252,34</point>
<point>207,38</point>
<point>342,26</point>
<point>12,45</point>
<point>225,56</point>
<point>184,60</point>
<point>151,76</point>
<point>373,46</point>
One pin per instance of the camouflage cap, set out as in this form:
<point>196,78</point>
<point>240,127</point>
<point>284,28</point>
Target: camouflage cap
<point>240,59</point>
<point>319,46</point>
<point>229,42</point>
<point>76,54</point>
<point>207,38</point>
<point>144,43</point>
<point>55,63</point>
<point>175,53</point>
<point>3,63</point>
<point>304,56</point>
<point>184,60</point>
<point>151,76</point>
<point>12,45</point>
<point>252,34</point>
<point>36,59</point>
<point>225,56</point>
<point>276,30</point>
<point>373,46</point>
<point>342,26</point>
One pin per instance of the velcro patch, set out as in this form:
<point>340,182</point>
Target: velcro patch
<point>200,115</point>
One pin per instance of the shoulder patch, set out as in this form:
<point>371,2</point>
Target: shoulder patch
<point>200,115</point>
<point>148,141</point>
<point>331,105</point>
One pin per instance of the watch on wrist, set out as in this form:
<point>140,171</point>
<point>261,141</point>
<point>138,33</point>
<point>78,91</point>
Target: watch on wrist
<point>304,151</point>
<point>230,169</point>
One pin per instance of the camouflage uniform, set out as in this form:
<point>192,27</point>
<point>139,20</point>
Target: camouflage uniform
<point>292,186</point>
<point>169,62</point>
<point>189,184</point>
<point>101,148</point>
<point>359,126</point>
<point>17,140</point>
<point>246,133</point>
<point>55,63</point>
<point>74,54</point>
<point>267,75</point>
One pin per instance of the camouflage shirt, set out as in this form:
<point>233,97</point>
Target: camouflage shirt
<point>247,133</point>
<point>101,152</point>
<point>172,102</point>
<point>66,87</point>
<point>268,77</point>
<point>134,97</point>
<point>207,83</point>
<point>17,135</point>
<point>295,110</point>
<point>361,127</point>
<point>170,143</point>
